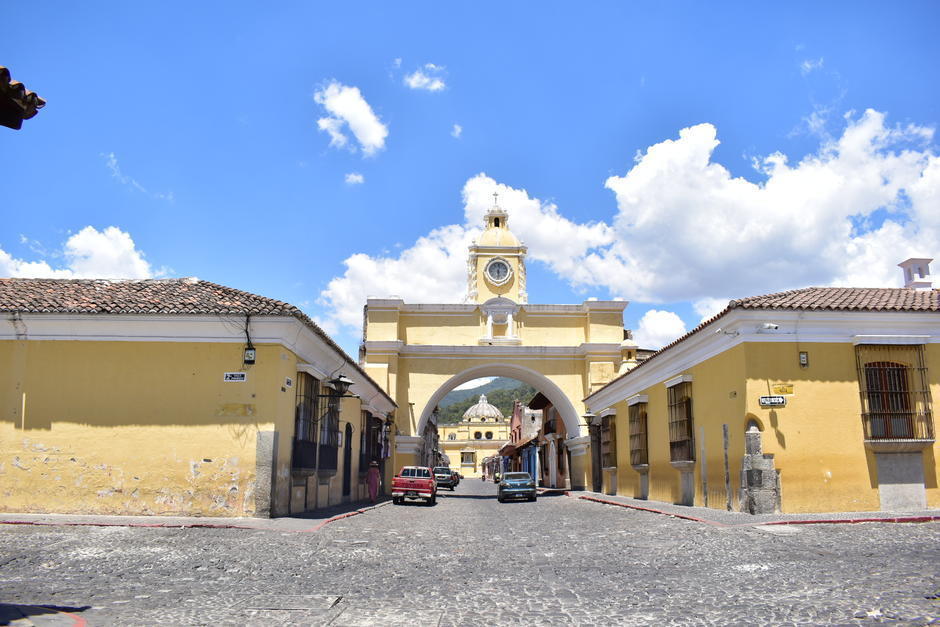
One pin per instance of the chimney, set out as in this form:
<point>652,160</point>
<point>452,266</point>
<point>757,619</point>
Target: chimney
<point>917,273</point>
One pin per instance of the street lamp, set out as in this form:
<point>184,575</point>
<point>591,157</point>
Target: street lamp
<point>341,385</point>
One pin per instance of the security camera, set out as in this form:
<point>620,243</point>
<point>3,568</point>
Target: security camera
<point>770,326</point>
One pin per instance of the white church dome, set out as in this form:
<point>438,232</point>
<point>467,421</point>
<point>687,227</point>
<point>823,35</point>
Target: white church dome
<point>483,412</point>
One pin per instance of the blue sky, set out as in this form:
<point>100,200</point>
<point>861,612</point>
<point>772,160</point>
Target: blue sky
<point>673,154</point>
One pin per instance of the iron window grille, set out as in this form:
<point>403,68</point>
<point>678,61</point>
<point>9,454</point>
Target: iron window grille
<point>316,425</point>
<point>895,396</point>
<point>364,442</point>
<point>681,440</point>
<point>305,422</point>
<point>639,452</point>
<point>608,442</point>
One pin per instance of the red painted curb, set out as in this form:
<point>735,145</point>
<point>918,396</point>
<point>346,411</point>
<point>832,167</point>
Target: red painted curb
<point>652,511</point>
<point>78,620</point>
<point>852,521</point>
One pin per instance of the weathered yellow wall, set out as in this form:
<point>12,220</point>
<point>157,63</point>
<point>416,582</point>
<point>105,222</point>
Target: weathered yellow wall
<point>717,399</point>
<point>138,427</point>
<point>447,330</point>
<point>932,455</point>
<point>605,327</point>
<point>551,330</point>
<point>382,324</point>
<point>816,439</point>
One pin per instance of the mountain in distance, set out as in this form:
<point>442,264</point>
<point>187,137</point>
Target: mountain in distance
<point>499,392</point>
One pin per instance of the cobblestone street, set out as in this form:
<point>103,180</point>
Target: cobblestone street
<point>469,561</point>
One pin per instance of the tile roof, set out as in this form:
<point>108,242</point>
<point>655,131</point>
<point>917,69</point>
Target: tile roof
<point>147,296</point>
<point>821,299</point>
<point>187,296</point>
<point>845,299</point>
<point>16,102</point>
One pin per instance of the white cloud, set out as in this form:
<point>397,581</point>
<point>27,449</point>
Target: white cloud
<point>475,383</point>
<point>808,65</point>
<point>88,254</point>
<point>111,162</point>
<point>428,78</point>
<point>433,270</point>
<point>354,178</point>
<point>457,131</point>
<point>709,307</point>
<point>347,108</point>
<point>658,328</point>
<point>687,230</point>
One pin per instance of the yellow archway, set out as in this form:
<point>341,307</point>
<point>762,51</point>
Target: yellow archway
<point>539,381</point>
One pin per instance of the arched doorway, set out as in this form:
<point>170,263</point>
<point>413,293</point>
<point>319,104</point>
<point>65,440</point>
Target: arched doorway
<point>347,460</point>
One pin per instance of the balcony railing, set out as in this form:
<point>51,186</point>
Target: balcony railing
<point>898,426</point>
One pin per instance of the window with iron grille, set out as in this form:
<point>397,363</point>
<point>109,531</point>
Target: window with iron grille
<point>467,459</point>
<point>681,441</point>
<point>308,389</point>
<point>305,422</point>
<point>550,424</point>
<point>364,442</point>
<point>639,454</point>
<point>895,397</point>
<point>608,441</point>
<point>329,438</point>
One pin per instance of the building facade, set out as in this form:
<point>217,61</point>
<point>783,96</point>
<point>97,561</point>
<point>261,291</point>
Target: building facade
<point>479,435</point>
<point>420,352</point>
<point>177,397</point>
<point>812,400</point>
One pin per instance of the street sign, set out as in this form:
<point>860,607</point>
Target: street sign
<point>773,401</point>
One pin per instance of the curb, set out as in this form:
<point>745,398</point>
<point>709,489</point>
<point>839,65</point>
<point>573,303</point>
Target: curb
<point>317,527</point>
<point>346,515</point>
<point>826,521</point>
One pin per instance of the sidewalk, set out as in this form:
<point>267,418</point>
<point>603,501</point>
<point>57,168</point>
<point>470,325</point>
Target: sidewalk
<point>724,518</point>
<point>298,523</point>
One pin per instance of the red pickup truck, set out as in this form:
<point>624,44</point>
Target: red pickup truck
<point>414,482</point>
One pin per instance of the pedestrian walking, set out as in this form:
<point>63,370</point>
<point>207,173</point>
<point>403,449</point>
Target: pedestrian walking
<point>373,480</point>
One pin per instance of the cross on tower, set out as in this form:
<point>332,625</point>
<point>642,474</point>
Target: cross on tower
<point>495,199</point>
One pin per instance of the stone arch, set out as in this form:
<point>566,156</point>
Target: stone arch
<point>534,378</point>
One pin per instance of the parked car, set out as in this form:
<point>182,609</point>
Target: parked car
<point>515,485</point>
<point>444,477</point>
<point>414,482</point>
<point>457,477</point>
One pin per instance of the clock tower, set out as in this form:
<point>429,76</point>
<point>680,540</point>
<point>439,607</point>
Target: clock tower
<point>496,265</point>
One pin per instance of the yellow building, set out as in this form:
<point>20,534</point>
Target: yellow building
<point>420,352</point>
<point>479,435</point>
<point>819,399</point>
<point>177,397</point>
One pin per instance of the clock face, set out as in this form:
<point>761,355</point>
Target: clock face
<point>497,271</point>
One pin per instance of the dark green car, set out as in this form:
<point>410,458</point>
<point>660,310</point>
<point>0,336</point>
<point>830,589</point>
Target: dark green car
<point>516,485</point>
